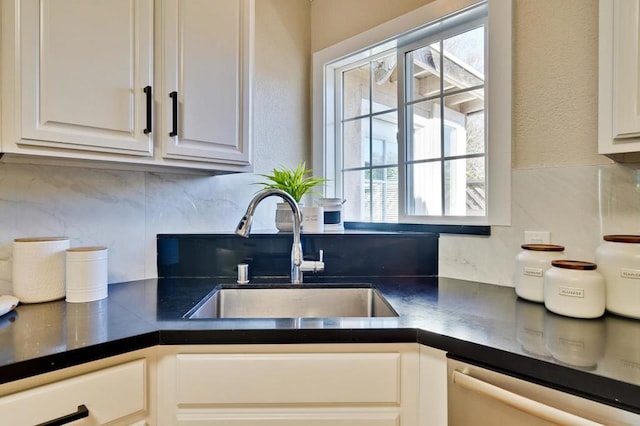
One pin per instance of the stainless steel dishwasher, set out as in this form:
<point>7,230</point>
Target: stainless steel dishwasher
<point>477,396</point>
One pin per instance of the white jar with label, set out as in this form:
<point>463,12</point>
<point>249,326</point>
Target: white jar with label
<point>531,264</point>
<point>575,289</point>
<point>333,220</point>
<point>619,260</point>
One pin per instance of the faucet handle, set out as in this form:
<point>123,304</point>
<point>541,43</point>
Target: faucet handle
<point>314,265</point>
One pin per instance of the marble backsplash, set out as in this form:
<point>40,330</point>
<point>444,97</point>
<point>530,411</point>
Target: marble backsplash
<point>125,210</point>
<point>576,204</point>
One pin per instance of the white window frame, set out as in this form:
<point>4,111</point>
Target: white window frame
<point>406,27</point>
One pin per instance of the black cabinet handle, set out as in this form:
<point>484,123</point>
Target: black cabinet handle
<point>82,412</point>
<point>174,101</point>
<point>147,90</point>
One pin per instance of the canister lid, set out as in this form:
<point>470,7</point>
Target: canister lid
<point>574,264</point>
<point>542,247</point>
<point>39,239</point>
<point>632,239</point>
<point>81,249</point>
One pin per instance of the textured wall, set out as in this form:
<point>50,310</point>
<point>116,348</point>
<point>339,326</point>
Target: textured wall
<point>281,130</point>
<point>555,83</point>
<point>336,20</point>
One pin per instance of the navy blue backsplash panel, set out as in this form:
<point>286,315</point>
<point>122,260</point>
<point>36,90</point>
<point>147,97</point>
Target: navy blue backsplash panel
<point>268,255</point>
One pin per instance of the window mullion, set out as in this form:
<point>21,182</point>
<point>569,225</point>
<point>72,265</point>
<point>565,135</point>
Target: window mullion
<point>442,141</point>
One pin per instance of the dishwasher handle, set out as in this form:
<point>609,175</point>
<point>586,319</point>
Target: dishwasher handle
<point>519,402</point>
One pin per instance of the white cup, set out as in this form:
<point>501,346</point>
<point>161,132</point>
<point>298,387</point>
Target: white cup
<point>312,219</point>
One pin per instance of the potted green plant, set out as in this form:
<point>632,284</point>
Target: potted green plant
<point>295,182</point>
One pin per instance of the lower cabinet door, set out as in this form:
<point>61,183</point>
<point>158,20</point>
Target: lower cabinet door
<point>289,385</point>
<point>96,398</point>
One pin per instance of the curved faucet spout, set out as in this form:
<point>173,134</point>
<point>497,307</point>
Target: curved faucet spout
<point>244,226</point>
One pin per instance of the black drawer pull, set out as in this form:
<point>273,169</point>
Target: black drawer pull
<point>82,412</point>
<point>147,90</point>
<point>174,101</point>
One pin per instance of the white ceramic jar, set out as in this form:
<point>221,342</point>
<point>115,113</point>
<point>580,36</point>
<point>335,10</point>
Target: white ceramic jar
<point>531,264</point>
<point>618,258</point>
<point>86,274</point>
<point>333,220</point>
<point>574,289</point>
<point>38,268</point>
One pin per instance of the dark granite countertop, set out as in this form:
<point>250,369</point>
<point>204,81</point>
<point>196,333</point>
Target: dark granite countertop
<point>480,323</point>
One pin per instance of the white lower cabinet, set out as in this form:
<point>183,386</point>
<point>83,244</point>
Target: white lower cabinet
<point>289,385</point>
<point>115,391</point>
<point>433,387</point>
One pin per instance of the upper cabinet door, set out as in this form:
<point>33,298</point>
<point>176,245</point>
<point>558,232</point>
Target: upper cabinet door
<point>207,67</point>
<point>84,67</point>
<point>619,77</point>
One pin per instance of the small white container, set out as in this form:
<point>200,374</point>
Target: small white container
<point>312,219</point>
<point>38,268</point>
<point>531,264</point>
<point>574,289</point>
<point>333,220</point>
<point>618,259</point>
<point>87,274</point>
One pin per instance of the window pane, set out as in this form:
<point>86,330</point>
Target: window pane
<point>425,193</point>
<point>356,150</point>
<point>358,205</point>
<point>424,64</point>
<point>464,124</point>
<point>372,195</point>
<point>424,142</point>
<point>384,194</point>
<point>385,87</point>
<point>464,60</point>
<point>385,139</point>
<point>355,92</point>
<point>465,191</point>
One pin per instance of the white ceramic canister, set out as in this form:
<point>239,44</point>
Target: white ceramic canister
<point>618,259</point>
<point>38,268</point>
<point>531,264</point>
<point>312,219</point>
<point>575,289</point>
<point>333,220</point>
<point>86,274</point>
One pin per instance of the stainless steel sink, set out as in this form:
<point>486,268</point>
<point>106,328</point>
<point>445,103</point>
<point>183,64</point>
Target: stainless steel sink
<point>292,301</point>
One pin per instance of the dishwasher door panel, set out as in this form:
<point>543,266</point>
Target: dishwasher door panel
<point>477,396</point>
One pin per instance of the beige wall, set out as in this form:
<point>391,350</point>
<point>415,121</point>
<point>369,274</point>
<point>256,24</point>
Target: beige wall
<point>336,20</point>
<point>281,84</point>
<point>555,54</point>
<point>555,83</point>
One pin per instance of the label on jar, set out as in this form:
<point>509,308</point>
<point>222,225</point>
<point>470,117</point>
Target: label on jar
<point>571,291</point>
<point>533,272</point>
<point>630,273</point>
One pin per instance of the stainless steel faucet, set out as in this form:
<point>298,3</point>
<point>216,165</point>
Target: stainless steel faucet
<point>244,226</point>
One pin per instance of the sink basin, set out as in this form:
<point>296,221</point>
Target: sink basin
<point>292,301</point>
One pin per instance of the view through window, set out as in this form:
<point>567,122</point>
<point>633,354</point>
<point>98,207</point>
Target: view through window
<point>412,137</point>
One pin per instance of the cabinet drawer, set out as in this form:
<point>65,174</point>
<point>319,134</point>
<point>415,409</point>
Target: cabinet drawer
<point>360,378</point>
<point>108,394</point>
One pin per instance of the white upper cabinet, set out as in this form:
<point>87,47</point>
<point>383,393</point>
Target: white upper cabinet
<point>83,70</point>
<point>133,82</point>
<point>619,74</point>
<point>207,64</point>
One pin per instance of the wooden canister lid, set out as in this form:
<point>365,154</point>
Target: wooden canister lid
<point>574,264</point>
<point>632,239</point>
<point>39,239</point>
<point>542,247</point>
<point>83,249</point>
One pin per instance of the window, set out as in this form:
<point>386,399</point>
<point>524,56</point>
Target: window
<point>406,135</point>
